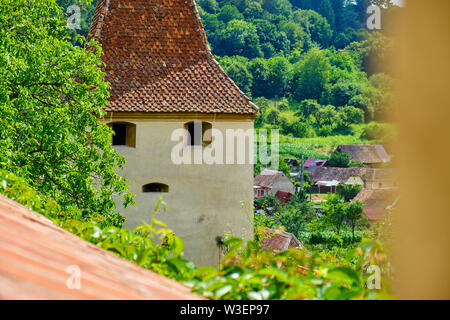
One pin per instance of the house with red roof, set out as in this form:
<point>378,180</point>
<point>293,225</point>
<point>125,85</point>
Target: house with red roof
<point>271,182</point>
<point>283,196</point>
<point>312,164</point>
<point>377,202</point>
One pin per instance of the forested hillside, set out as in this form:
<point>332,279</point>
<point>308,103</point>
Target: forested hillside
<point>311,65</point>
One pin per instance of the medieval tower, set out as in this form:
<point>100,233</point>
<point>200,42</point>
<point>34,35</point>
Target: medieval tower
<point>164,78</point>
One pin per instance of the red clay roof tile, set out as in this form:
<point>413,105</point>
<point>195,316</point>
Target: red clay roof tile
<point>35,255</point>
<point>158,60</point>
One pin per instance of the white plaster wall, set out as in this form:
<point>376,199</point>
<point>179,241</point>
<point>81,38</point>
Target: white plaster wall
<point>203,202</point>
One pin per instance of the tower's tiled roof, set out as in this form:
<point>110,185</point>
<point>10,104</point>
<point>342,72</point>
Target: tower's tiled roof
<point>157,59</point>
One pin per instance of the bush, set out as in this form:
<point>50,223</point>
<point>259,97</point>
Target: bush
<point>294,219</point>
<point>348,191</point>
<point>378,132</point>
<point>339,159</point>
<point>139,246</point>
<point>331,239</point>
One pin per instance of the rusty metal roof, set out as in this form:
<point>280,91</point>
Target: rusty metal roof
<point>36,257</point>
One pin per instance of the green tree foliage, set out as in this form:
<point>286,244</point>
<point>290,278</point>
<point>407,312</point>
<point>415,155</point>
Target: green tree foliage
<point>326,10</point>
<point>87,8</point>
<point>51,95</point>
<point>269,201</point>
<point>272,116</point>
<point>364,103</point>
<point>296,217</point>
<point>339,159</point>
<point>348,191</point>
<point>311,75</point>
<point>241,76</point>
<point>351,115</point>
<point>260,74</point>
<point>342,92</point>
<point>315,25</point>
<point>334,208</point>
<point>353,213</point>
<point>228,13</point>
<point>279,76</point>
<point>382,133</point>
<point>210,6</point>
<point>239,38</point>
<point>373,52</point>
<point>277,7</point>
<point>309,107</point>
<point>246,272</point>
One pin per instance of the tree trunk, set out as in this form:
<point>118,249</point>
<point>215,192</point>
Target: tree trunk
<point>353,231</point>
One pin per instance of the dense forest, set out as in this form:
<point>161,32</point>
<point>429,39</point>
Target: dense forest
<point>311,66</point>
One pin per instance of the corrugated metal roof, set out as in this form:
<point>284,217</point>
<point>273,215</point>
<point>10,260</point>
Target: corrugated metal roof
<point>36,257</point>
<point>314,162</point>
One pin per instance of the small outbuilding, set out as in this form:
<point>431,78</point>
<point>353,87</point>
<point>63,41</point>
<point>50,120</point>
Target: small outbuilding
<point>371,155</point>
<point>270,181</point>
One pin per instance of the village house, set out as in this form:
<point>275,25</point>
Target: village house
<point>371,155</point>
<point>326,179</point>
<point>377,202</point>
<point>270,182</point>
<point>163,78</point>
<point>312,164</point>
<point>278,241</point>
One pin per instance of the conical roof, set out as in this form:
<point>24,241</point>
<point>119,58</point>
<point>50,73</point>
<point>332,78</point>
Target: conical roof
<point>158,60</point>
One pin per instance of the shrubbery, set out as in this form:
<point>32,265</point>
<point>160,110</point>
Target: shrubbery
<point>246,272</point>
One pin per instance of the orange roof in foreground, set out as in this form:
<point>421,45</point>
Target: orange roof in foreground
<point>158,60</point>
<point>35,255</point>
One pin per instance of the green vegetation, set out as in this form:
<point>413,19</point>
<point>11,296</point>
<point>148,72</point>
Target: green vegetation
<point>306,65</point>
<point>246,272</point>
<point>51,96</point>
<point>340,226</point>
<point>311,66</point>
